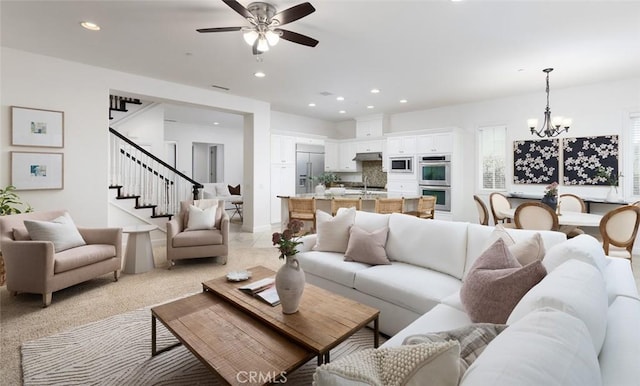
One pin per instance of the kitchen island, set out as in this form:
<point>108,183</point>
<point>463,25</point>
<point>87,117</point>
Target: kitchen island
<point>323,202</point>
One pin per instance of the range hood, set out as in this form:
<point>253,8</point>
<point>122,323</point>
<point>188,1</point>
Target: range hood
<point>375,156</point>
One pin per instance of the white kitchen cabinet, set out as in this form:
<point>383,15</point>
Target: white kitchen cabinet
<point>435,143</point>
<point>346,152</point>
<point>385,157</point>
<point>370,127</point>
<point>401,145</point>
<point>283,183</point>
<point>369,146</point>
<point>402,187</point>
<point>331,156</point>
<point>283,149</point>
<point>310,141</point>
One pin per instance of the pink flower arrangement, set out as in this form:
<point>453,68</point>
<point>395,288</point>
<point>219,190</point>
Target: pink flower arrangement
<point>287,241</point>
<point>551,190</point>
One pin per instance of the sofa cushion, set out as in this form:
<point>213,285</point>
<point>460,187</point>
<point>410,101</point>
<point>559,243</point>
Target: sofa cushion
<point>619,279</point>
<point>473,340</point>
<point>546,347</point>
<point>496,283</point>
<point>414,288</point>
<point>367,247</point>
<point>197,238</point>
<point>437,245</point>
<point>330,266</point>
<point>370,221</point>
<point>202,204</point>
<point>21,234</point>
<point>81,256</point>
<point>583,247</point>
<point>200,219</point>
<point>440,318</point>
<point>479,234</point>
<point>333,232</point>
<point>234,190</point>
<point>404,365</point>
<point>61,231</point>
<point>620,352</point>
<point>576,288</point>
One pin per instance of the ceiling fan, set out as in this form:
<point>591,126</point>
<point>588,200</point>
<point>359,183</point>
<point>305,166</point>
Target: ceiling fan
<point>265,30</point>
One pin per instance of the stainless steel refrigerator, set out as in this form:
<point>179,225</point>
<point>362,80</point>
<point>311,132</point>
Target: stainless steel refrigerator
<point>309,164</point>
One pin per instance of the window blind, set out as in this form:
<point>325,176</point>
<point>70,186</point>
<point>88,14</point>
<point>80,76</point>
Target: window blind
<point>492,154</point>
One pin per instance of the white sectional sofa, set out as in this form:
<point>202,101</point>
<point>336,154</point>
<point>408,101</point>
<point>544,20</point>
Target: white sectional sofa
<point>594,299</point>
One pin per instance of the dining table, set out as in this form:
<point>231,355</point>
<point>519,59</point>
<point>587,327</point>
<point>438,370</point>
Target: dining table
<point>575,219</point>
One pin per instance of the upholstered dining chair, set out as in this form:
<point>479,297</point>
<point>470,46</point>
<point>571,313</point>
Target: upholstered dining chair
<point>536,216</point>
<point>618,229</point>
<point>389,205</point>
<point>303,209</point>
<point>483,213</point>
<point>571,203</point>
<point>426,207</point>
<point>343,202</point>
<point>498,202</point>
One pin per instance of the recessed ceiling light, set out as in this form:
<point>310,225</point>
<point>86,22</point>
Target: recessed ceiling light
<point>403,101</point>
<point>259,74</point>
<point>216,123</point>
<point>370,107</point>
<point>340,98</point>
<point>375,91</point>
<point>342,111</point>
<point>90,26</point>
<point>312,105</point>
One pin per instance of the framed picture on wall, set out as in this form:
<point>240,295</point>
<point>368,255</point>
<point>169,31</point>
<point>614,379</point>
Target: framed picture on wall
<point>536,161</point>
<point>32,171</point>
<point>37,127</point>
<point>583,156</point>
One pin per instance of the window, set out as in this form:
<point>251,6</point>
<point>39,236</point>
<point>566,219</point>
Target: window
<point>635,143</point>
<point>493,145</point>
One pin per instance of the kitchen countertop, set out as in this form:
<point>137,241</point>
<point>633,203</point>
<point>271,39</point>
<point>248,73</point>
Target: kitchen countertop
<point>369,196</point>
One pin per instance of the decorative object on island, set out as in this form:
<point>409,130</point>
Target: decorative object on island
<point>610,178</point>
<point>290,279</point>
<point>551,127</point>
<point>551,195</point>
<point>327,179</point>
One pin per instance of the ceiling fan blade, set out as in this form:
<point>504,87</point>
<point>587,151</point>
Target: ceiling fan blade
<point>294,13</point>
<point>238,8</point>
<point>221,29</point>
<point>297,38</point>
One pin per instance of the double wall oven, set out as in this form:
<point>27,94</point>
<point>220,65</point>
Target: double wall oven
<point>434,179</point>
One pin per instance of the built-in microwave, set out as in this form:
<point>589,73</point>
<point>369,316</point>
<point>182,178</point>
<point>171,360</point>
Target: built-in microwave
<point>435,170</point>
<point>442,193</point>
<point>401,164</point>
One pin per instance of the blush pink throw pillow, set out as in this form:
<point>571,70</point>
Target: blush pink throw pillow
<point>367,247</point>
<point>496,283</point>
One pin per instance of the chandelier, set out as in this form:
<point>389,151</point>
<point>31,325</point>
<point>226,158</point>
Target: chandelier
<point>551,127</point>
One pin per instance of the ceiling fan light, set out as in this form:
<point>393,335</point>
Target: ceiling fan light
<point>250,37</point>
<point>263,46</point>
<point>272,37</point>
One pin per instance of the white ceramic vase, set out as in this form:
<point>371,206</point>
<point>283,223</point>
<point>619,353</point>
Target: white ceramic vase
<point>320,189</point>
<point>612,196</point>
<point>290,282</point>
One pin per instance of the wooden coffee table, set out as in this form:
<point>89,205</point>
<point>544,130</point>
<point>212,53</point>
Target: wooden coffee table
<point>234,333</point>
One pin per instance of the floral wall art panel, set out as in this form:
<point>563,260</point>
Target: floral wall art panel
<point>536,162</point>
<point>584,155</point>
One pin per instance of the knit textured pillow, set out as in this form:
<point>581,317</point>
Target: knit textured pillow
<point>433,363</point>
<point>496,283</point>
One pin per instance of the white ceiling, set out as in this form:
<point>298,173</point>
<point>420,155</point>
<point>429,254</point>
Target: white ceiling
<point>433,53</point>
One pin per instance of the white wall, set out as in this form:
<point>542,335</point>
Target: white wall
<point>187,134</point>
<point>82,92</point>
<point>597,109</point>
<point>284,122</point>
<point>145,127</point>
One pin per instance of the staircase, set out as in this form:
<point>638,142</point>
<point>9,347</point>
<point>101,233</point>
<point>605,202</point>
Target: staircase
<point>136,174</point>
<point>119,104</point>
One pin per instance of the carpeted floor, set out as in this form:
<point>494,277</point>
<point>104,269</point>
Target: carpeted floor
<point>116,351</point>
<point>23,319</point>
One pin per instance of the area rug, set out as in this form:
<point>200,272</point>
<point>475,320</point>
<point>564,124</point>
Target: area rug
<point>117,351</point>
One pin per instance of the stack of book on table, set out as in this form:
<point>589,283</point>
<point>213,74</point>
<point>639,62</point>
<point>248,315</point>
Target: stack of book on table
<point>264,289</point>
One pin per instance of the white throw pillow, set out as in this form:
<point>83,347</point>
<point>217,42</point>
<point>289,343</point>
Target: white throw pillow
<point>222,189</point>
<point>61,231</point>
<point>576,288</point>
<point>333,232</point>
<point>433,363</point>
<point>546,347</point>
<point>583,247</point>
<point>526,251</point>
<point>200,219</point>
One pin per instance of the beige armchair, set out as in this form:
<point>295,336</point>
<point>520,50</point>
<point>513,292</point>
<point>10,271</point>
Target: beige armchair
<point>35,267</point>
<point>182,244</point>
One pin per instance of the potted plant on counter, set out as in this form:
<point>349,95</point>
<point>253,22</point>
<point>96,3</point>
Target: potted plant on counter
<point>325,180</point>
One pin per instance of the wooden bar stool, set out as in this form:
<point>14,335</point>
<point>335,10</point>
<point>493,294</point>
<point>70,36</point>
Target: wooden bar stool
<point>426,207</point>
<point>389,205</point>
<point>341,202</point>
<point>303,209</point>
